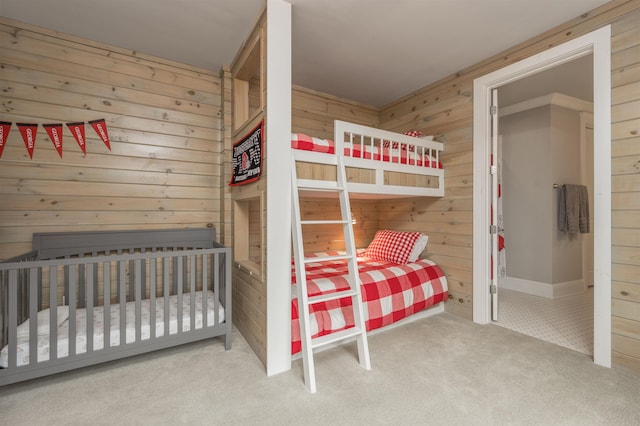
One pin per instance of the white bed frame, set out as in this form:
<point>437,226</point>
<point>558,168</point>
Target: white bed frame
<point>360,138</point>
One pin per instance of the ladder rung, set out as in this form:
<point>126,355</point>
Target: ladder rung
<point>323,222</point>
<point>319,185</point>
<point>332,296</point>
<point>327,258</point>
<point>334,337</point>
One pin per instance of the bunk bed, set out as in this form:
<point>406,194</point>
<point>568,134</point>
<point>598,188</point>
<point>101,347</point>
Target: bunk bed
<point>379,163</point>
<point>82,298</point>
<point>395,282</point>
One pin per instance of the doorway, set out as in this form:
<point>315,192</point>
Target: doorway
<point>543,285</point>
<point>597,44</point>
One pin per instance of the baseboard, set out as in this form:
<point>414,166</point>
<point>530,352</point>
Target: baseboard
<point>541,289</point>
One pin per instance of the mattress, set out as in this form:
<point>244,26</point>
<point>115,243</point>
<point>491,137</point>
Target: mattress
<point>114,326</point>
<point>386,154</point>
<point>390,292</point>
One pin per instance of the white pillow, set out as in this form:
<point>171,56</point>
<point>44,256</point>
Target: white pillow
<point>418,248</point>
<point>43,321</point>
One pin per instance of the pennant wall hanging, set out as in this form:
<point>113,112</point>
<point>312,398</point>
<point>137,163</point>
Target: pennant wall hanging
<point>28,132</point>
<point>77,130</point>
<point>55,134</point>
<point>100,127</point>
<point>5,127</point>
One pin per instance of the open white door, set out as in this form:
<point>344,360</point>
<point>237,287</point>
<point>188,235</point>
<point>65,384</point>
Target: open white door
<point>597,42</point>
<point>493,228</point>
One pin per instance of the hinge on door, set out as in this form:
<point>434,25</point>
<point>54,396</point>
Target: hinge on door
<point>493,289</point>
<point>494,110</point>
<point>493,229</point>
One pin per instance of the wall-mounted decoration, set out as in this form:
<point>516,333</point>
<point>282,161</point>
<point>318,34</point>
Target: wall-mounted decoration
<point>246,157</point>
<point>55,134</point>
<point>77,130</point>
<point>5,127</point>
<point>28,132</point>
<point>100,127</point>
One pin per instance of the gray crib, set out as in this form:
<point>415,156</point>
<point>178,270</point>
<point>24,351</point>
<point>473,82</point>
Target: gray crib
<point>82,298</point>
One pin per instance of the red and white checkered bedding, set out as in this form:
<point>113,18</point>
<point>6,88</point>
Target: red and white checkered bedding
<point>390,292</point>
<point>309,143</point>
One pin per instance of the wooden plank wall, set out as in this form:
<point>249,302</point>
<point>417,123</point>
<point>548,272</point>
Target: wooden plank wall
<point>313,113</point>
<point>445,109</point>
<point>625,183</point>
<point>164,123</point>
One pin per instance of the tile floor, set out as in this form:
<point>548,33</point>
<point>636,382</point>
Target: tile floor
<point>565,321</point>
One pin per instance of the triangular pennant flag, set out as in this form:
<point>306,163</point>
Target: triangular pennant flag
<point>5,127</point>
<point>55,134</point>
<point>100,126</point>
<point>77,130</point>
<point>28,132</point>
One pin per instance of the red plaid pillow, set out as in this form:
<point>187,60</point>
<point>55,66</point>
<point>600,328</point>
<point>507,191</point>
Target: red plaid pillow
<point>392,246</point>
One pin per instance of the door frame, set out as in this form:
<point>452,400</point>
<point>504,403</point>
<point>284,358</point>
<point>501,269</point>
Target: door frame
<point>597,43</point>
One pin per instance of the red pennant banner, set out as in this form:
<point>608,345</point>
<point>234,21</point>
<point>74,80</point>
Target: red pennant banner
<point>5,127</point>
<point>28,132</point>
<point>55,134</point>
<point>77,130</point>
<point>100,126</point>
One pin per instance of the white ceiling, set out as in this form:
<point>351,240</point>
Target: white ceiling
<point>370,51</point>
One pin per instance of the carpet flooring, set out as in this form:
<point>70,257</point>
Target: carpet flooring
<point>441,370</point>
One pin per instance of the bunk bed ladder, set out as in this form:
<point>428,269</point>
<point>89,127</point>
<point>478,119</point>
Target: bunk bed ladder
<point>358,332</point>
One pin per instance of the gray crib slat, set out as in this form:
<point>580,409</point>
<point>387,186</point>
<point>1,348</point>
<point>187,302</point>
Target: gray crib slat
<point>89,335</point>
<point>123,307</point>
<point>13,318</point>
<point>53,313</point>
<point>216,288</point>
<point>39,277</point>
<point>131,278</point>
<point>106,303</point>
<point>138,284</point>
<point>205,287</point>
<point>179,275</point>
<point>81,284</point>
<point>33,316</point>
<point>96,283</point>
<point>72,310</point>
<point>166,295</point>
<point>153,268</point>
<point>192,304</point>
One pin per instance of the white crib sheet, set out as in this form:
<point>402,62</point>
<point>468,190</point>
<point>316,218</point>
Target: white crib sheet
<point>98,326</point>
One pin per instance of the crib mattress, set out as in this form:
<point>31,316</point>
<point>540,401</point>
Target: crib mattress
<point>390,292</point>
<point>114,326</point>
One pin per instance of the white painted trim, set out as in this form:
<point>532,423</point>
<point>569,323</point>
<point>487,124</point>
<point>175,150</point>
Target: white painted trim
<point>542,289</point>
<point>278,129</point>
<point>557,99</point>
<point>599,43</point>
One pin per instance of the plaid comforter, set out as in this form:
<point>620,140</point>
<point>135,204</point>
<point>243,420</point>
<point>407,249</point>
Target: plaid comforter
<point>390,292</point>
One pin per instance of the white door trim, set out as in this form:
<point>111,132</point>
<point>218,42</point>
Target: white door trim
<point>599,43</point>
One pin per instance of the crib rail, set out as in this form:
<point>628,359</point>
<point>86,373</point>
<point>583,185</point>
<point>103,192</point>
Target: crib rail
<point>193,285</point>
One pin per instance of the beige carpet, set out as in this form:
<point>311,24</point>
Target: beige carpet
<point>441,370</point>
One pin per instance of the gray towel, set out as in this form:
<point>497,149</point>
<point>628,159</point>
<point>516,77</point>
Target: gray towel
<point>573,209</point>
